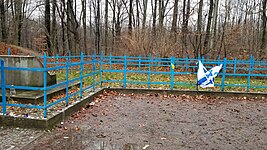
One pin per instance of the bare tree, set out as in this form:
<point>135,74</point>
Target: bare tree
<point>84,26</point>
<point>3,21</point>
<point>174,18</point>
<point>207,37</point>
<point>214,24</point>
<point>130,17</point>
<point>199,29</point>
<point>263,39</point>
<point>144,14</point>
<point>106,26</point>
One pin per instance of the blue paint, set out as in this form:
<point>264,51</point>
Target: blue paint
<point>110,61</point>
<point>172,73</point>
<point>45,82</point>
<point>186,62</point>
<point>94,68</point>
<point>149,71</point>
<point>101,69</point>
<point>224,73</point>
<point>143,66</point>
<point>3,87</point>
<point>124,71</point>
<point>81,74</point>
<point>8,51</point>
<point>67,81</point>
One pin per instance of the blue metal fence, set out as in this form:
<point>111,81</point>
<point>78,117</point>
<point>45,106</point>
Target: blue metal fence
<point>96,66</point>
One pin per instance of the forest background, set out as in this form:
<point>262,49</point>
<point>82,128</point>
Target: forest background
<point>229,28</point>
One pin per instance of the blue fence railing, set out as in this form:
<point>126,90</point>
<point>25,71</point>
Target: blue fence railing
<point>92,68</point>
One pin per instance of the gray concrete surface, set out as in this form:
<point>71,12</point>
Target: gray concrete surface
<point>25,78</point>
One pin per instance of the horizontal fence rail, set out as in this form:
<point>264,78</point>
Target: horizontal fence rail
<point>91,71</point>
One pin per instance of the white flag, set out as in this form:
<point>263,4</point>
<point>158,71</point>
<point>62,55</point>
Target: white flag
<point>206,78</point>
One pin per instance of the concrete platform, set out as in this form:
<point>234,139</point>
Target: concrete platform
<point>47,123</point>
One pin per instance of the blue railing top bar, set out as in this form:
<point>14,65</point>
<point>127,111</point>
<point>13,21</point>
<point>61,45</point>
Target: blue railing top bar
<point>100,64</point>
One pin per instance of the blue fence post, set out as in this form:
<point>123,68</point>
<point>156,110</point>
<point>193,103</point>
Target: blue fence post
<point>224,73</point>
<point>156,62</point>
<point>139,62</point>
<point>3,85</point>
<point>235,61</point>
<point>172,73</point>
<point>101,68</point>
<point>94,68</point>
<point>57,61</point>
<point>110,61</point>
<point>45,85</point>
<point>186,62</point>
<point>250,69</point>
<point>8,51</point>
<point>149,71</point>
<point>81,74</point>
<point>67,80</point>
<point>124,71</point>
<point>198,58</point>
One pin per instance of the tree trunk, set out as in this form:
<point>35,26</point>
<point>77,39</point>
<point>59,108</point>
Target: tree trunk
<point>130,17</point>
<point>214,25</point>
<point>263,38</point>
<point>18,21</point>
<point>97,31</point>
<point>47,26</point>
<point>144,14</point>
<point>174,20</point>
<point>54,27</point>
<point>69,26</point>
<point>3,21</point>
<point>137,14</point>
<point>62,8</point>
<point>207,37</point>
<point>154,18</point>
<point>199,29</point>
<point>186,15</point>
<point>84,26</point>
<point>106,27</point>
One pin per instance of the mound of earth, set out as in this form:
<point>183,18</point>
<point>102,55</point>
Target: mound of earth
<point>16,50</point>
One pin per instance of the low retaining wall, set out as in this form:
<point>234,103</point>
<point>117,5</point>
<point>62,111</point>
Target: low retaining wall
<point>53,121</point>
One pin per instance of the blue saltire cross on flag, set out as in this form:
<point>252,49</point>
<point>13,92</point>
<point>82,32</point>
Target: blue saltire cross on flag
<point>206,78</point>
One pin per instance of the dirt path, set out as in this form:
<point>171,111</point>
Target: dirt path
<point>161,122</point>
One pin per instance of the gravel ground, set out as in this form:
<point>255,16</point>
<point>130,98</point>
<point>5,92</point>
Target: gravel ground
<point>157,122</point>
<point>16,138</point>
